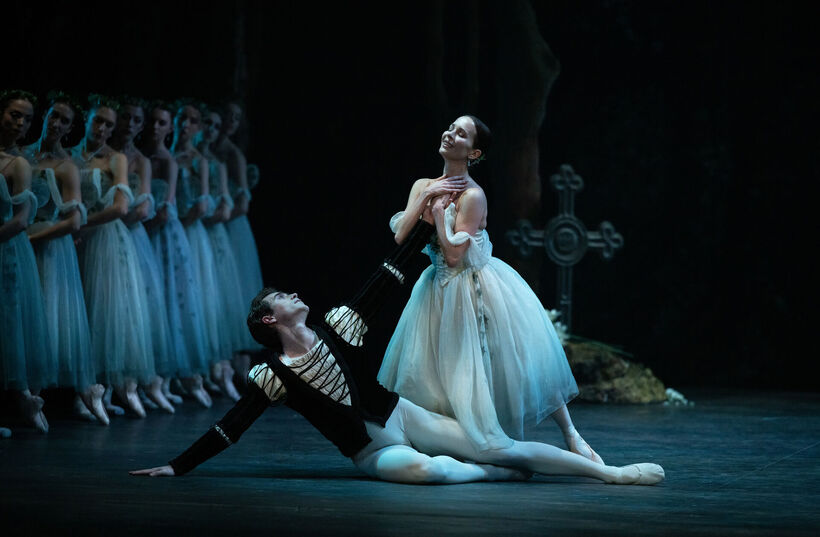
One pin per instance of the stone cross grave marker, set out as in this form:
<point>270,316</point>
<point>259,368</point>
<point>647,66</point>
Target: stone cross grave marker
<point>565,238</point>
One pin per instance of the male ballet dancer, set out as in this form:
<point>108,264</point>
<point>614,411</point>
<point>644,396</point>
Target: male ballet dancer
<point>325,373</point>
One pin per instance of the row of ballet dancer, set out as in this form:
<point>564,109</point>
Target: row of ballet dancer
<point>127,260</point>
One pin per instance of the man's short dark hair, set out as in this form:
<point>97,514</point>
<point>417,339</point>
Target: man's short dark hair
<point>261,332</point>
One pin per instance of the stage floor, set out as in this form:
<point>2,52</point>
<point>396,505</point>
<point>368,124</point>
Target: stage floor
<point>737,463</point>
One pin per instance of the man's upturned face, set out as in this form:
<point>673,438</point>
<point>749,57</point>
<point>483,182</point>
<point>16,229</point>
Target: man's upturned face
<point>287,309</point>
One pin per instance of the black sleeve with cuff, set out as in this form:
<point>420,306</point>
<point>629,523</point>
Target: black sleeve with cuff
<point>226,431</point>
<point>391,273</point>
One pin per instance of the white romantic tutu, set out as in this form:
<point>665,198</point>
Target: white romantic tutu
<point>475,343</point>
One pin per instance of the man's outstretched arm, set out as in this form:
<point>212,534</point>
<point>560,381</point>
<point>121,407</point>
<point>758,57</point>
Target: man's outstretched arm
<point>224,433</point>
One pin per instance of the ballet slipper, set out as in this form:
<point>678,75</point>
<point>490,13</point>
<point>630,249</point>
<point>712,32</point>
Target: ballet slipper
<point>579,446</point>
<point>180,387</point>
<point>211,386</point>
<point>5,433</point>
<point>644,473</point>
<point>33,412</point>
<point>128,394</point>
<point>145,400</point>
<point>93,399</point>
<point>193,386</point>
<point>226,382</point>
<point>155,395</point>
<point>80,410</point>
<point>166,391</point>
<point>109,406</point>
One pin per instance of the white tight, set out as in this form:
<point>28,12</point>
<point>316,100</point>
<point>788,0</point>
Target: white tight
<point>419,446</point>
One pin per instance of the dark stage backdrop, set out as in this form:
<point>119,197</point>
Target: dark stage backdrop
<point>693,125</point>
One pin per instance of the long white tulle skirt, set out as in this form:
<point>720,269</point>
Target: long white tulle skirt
<point>479,348</point>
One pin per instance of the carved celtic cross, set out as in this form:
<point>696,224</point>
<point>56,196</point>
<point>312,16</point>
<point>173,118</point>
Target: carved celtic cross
<point>565,238</point>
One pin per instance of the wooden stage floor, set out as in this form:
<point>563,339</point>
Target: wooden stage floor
<point>737,463</point>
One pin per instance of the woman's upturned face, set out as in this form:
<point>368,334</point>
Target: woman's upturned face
<point>230,124</point>
<point>17,117</point>
<point>130,121</point>
<point>101,124</point>
<point>58,121</point>
<point>187,122</point>
<point>211,125</point>
<point>160,125</point>
<point>457,140</point>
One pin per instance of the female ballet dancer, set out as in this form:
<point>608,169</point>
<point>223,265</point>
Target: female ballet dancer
<point>26,363</point>
<point>130,122</point>
<point>474,341</point>
<point>228,279</point>
<point>118,312</point>
<point>176,262</point>
<point>51,235</point>
<point>238,226</point>
<point>239,229</point>
<point>194,204</point>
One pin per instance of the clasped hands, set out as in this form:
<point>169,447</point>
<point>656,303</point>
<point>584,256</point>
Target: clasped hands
<point>440,194</point>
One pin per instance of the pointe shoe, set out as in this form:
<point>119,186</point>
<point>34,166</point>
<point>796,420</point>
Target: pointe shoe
<point>145,400</point>
<point>33,411</point>
<point>131,399</point>
<point>81,411</point>
<point>166,391</point>
<point>211,386</point>
<point>194,388</point>
<point>155,395</point>
<point>109,406</point>
<point>93,399</point>
<point>644,473</point>
<point>202,397</point>
<point>579,446</point>
<point>226,383</point>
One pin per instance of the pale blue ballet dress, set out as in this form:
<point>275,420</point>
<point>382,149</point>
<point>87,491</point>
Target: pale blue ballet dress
<point>26,361</point>
<point>247,256</point>
<point>164,361</point>
<point>229,290</point>
<point>118,312</point>
<point>66,313</point>
<point>182,292</point>
<point>188,194</point>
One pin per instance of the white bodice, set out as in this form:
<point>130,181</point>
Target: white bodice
<point>478,253</point>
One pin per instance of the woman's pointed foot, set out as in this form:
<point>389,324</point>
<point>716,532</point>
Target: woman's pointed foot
<point>93,399</point>
<point>128,394</point>
<point>226,382</point>
<point>33,412</point>
<point>81,411</point>
<point>193,386</point>
<point>154,393</point>
<point>644,473</point>
<point>145,400</point>
<point>576,444</point>
<point>110,407</point>
<point>166,391</point>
